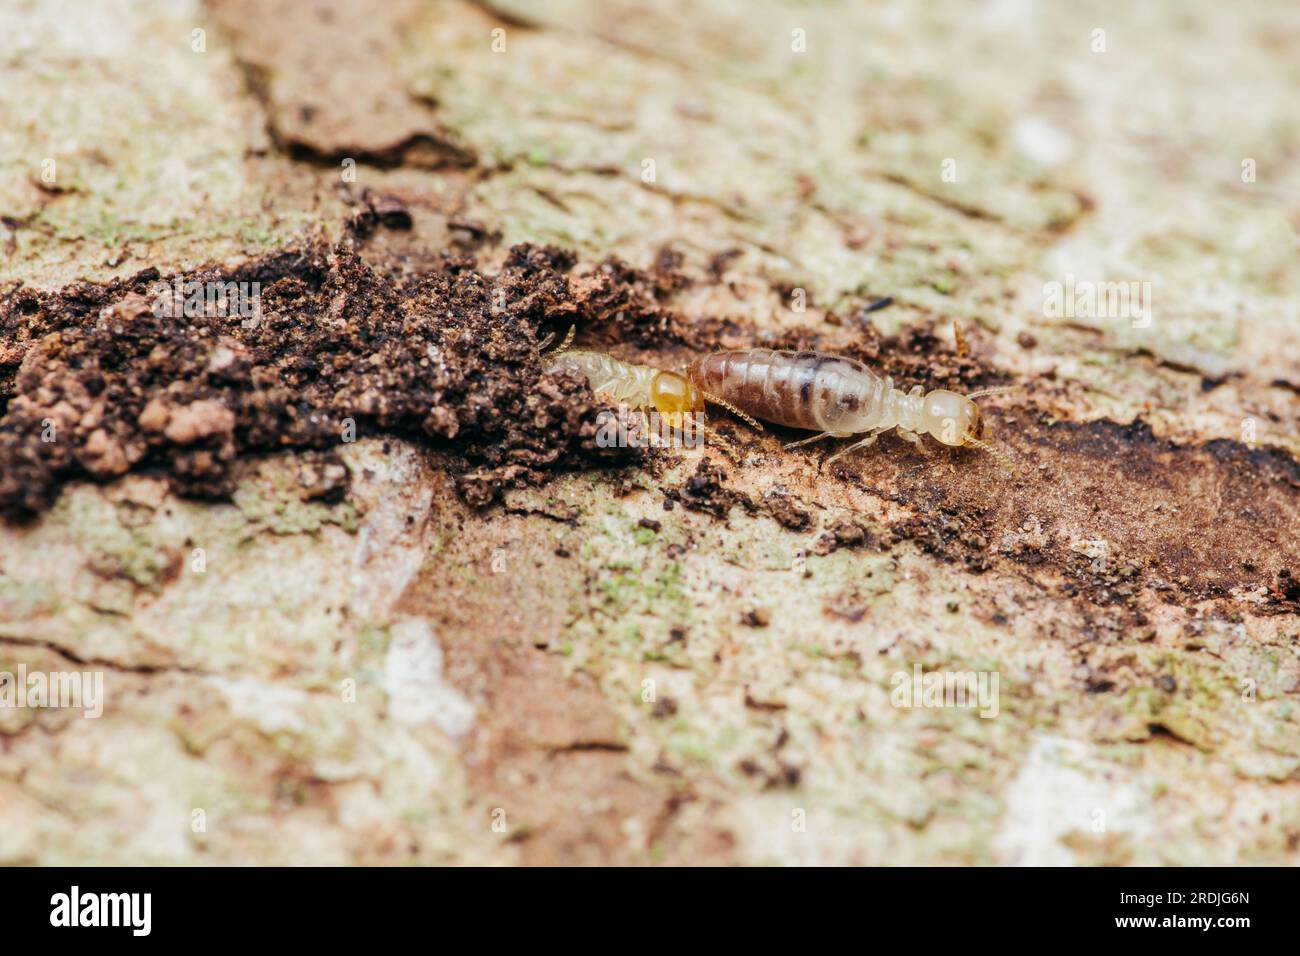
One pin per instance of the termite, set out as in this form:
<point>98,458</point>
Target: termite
<point>838,398</point>
<point>671,394</point>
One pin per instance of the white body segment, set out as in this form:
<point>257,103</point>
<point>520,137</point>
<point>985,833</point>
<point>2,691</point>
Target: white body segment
<point>624,383</point>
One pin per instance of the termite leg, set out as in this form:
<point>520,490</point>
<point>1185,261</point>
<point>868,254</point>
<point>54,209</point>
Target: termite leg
<point>807,441</point>
<point>753,423</point>
<point>913,437</point>
<point>865,443</point>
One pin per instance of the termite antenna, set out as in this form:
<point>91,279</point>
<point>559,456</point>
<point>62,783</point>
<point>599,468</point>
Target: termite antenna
<point>959,340</point>
<point>997,390</point>
<point>1001,457</point>
<point>753,423</point>
<point>563,346</point>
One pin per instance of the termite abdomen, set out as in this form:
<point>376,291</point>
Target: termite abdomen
<point>810,390</point>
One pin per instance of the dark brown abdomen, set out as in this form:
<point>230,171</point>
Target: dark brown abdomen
<point>776,386</point>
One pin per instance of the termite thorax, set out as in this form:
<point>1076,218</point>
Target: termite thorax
<point>903,408</point>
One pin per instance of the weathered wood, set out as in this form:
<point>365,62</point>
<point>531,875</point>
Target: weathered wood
<point>682,660</point>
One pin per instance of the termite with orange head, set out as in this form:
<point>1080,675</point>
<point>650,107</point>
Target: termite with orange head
<point>671,394</point>
<point>838,398</point>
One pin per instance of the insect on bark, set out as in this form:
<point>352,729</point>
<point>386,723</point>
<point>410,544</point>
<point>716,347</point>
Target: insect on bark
<point>838,398</point>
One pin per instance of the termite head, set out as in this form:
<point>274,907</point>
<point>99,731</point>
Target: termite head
<point>956,420</point>
<point>674,394</point>
<point>951,418</point>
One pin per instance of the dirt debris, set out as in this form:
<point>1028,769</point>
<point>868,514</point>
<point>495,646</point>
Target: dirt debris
<point>786,511</point>
<point>704,491</point>
<point>374,210</point>
<point>342,348</point>
<point>100,380</point>
<point>849,534</point>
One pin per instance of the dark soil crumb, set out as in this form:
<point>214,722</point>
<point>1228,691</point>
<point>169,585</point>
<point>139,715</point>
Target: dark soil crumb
<point>775,775</point>
<point>471,233</point>
<point>847,534</point>
<point>881,303</point>
<point>664,707</point>
<point>949,533</point>
<point>704,491</point>
<point>97,380</point>
<point>786,512</point>
<point>719,264</point>
<point>322,476</point>
<point>375,210</point>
